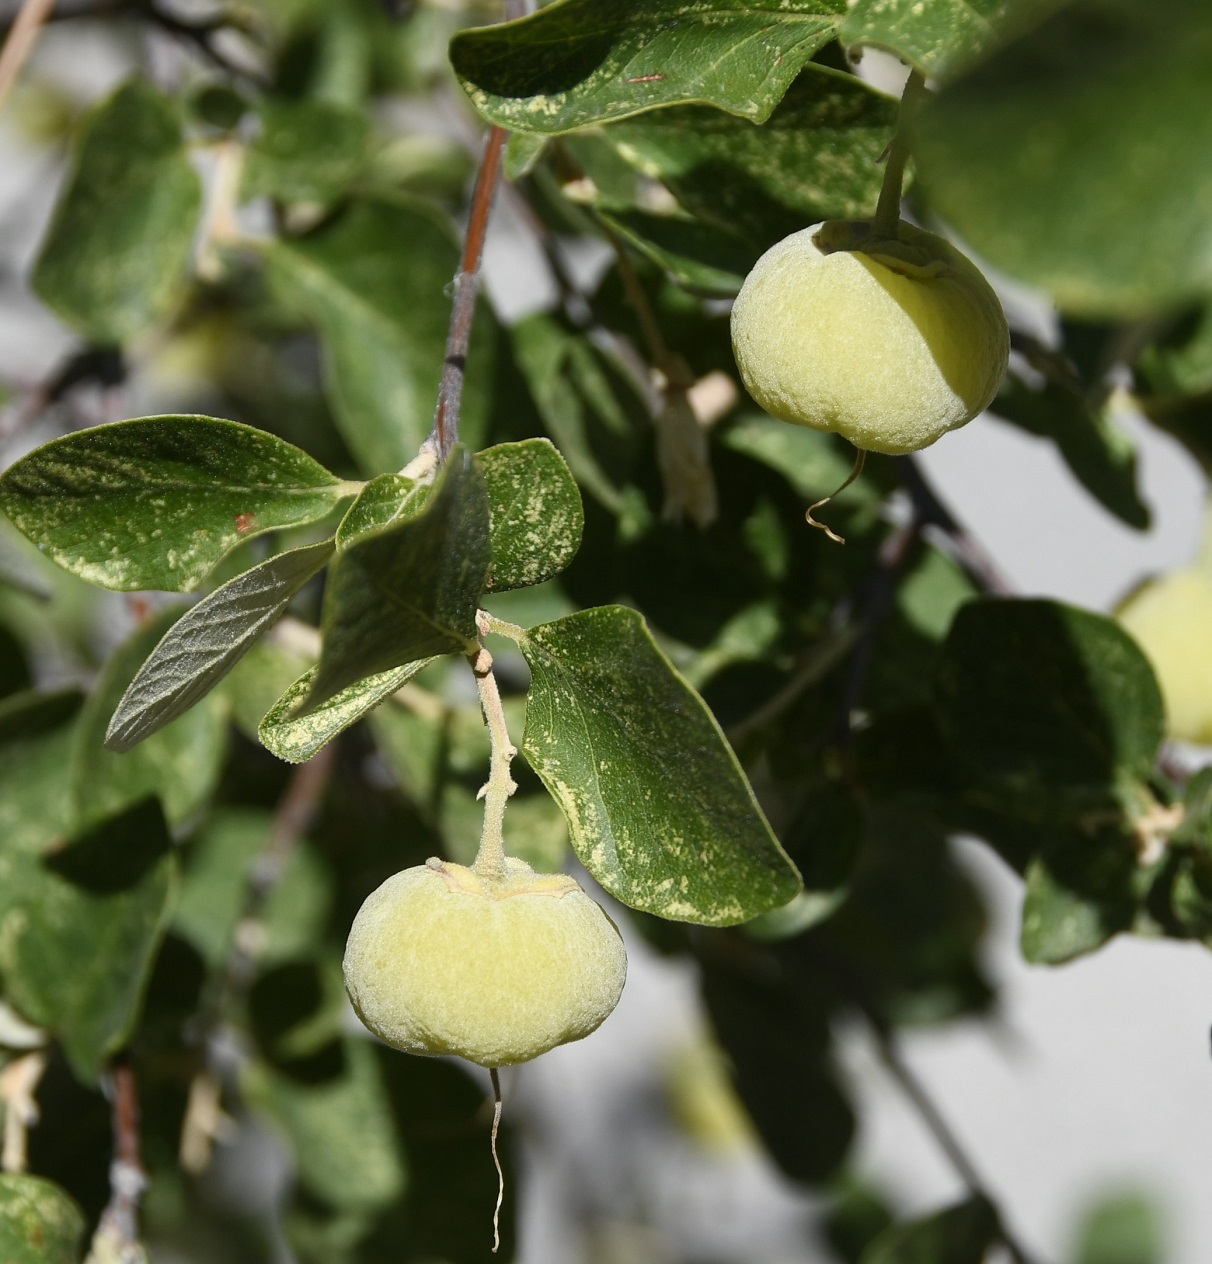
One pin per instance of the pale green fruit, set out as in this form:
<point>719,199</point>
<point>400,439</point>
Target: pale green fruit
<point>890,345</point>
<point>442,960</point>
<point>1171,620</point>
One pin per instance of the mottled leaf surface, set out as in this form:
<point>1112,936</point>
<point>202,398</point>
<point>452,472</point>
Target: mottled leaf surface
<point>384,500</point>
<point>937,37</point>
<point>1047,158</point>
<point>374,282</point>
<point>78,941</point>
<point>534,509</point>
<point>39,1222</point>
<point>118,247</point>
<point>207,642</point>
<point>296,733</point>
<point>658,808</point>
<point>408,590</point>
<point>156,502</point>
<point>579,62</point>
<point>180,764</point>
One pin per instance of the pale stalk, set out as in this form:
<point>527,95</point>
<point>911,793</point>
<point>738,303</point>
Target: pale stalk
<point>888,209</point>
<point>490,859</point>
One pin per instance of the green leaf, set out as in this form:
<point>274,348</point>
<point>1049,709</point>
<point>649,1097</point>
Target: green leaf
<point>77,947</point>
<point>1073,158</point>
<point>180,764</point>
<point>207,642</point>
<point>408,590</point>
<point>711,259</point>
<point>295,733</point>
<point>306,151</point>
<point>818,157</point>
<point>119,245</point>
<point>1101,456</point>
<point>579,62</point>
<point>534,508</point>
<point>374,281</point>
<point>961,1234</point>
<point>937,37</point>
<point>1123,1229</point>
<point>39,1222</point>
<point>156,502</point>
<point>337,1118</point>
<point>658,808</point>
<point>1053,711</point>
<point>384,500</point>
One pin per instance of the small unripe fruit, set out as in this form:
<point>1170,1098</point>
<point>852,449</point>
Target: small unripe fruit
<point>1171,619</point>
<point>889,343</point>
<point>443,960</point>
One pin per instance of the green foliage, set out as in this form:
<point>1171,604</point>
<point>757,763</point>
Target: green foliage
<point>39,1223</point>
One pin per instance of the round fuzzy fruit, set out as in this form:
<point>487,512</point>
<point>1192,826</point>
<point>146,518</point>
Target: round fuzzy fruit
<point>1171,619</point>
<point>889,343</point>
<point>443,960</point>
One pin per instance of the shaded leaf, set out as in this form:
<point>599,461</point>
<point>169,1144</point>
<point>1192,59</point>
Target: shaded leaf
<point>296,734</point>
<point>1047,159</point>
<point>534,509</point>
<point>306,151</point>
<point>961,1234</point>
<point>937,37</point>
<point>39,1222</point>
<point>156,502</point>
<point>207,642</point>
<point>117,251</point>
<point>579,62</point>
<point>77,947</point>
<point>374,281</point>
<point>710,259</point>
<point>408,590</point>
<point>658,808</point>
<point>180,764</point>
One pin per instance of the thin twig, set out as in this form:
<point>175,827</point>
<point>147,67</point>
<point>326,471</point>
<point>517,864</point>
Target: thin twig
<point>19,44</point>
<point>463,305</point>
<point>496,792</point>
<point>117,1236</point>
<point>18,1084</point>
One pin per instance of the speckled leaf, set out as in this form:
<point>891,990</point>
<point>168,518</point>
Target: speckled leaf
<point>77,949</point>
<point>295,734</point>
<point>410,589</point>
<point>1053,711</point>
<point>534,508</point>
<point>937,37</point>
<point>1074,158</point>
<point>383,500</point>
<point>306,151</point>
<point>208,641</point>
<point>39,1222</point>
<point>817,157</point>
<point>156,502</point>
<point>118,247</point>
<point>579,62</point>
<point>374,280</point>
<point>180,763</point>
<point>657,805</point>
<point>339,1125</point>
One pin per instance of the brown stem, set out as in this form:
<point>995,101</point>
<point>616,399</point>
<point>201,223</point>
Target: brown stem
<point>117,1234</point>
<point>466,289</point>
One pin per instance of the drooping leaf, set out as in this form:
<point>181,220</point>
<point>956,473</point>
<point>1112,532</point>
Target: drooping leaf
<point>156,502</point>
<point>1054,712</point>
<point>937,37</point>
<point>534,508</point>
<point>373,280</point>
<point>306,151</point>
<point>816,158</point>
<point>207,642</point>
<point>961,1234</point>
<point>658,808</point>
<point>295,733</point>
<point>408,590</point>
<point>39,1222</point>
<point>180,764</point>
<point>1047,160</point>
<point>76,951</point>
<point>115,258</point>
<point>581,62</point>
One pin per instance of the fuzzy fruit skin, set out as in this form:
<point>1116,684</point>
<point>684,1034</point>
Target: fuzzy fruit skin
<point>443,961</point>
<point>1171,620</point>
<point>890,346</point>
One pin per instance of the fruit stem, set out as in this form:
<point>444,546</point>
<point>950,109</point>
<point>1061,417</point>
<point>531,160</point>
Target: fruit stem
<point>490,859</point>
<point>888,209</point>
<point>496,1159</point>
<point>859,461</point>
